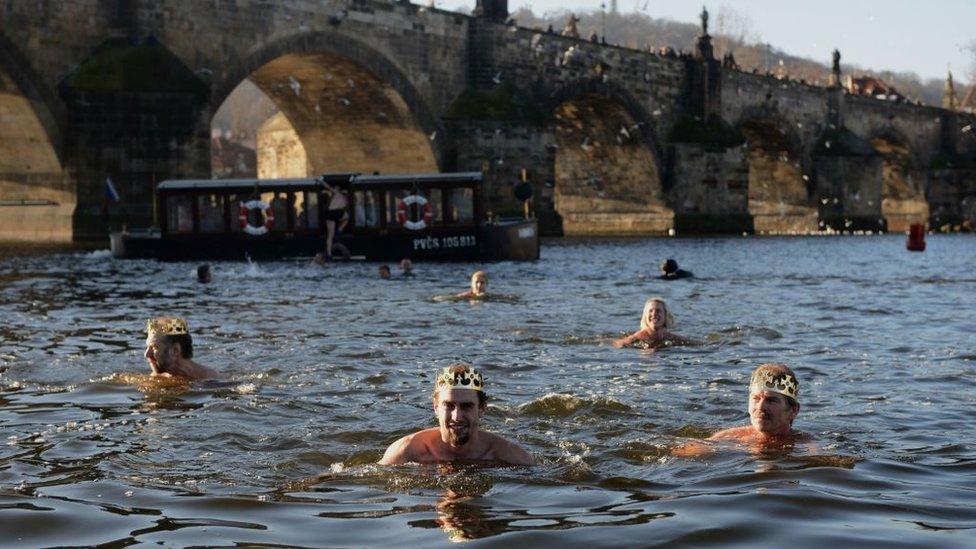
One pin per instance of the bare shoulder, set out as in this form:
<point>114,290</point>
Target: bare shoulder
<point>505,450</point>
<point>405,449</point>
<point>734,433</point>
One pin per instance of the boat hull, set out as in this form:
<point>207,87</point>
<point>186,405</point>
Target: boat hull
<point>503,240</point>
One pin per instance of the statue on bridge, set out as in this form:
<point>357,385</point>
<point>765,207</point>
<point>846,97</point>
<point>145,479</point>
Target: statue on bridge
<point>836,66</point>
<point>704,20</point>
<point>570,29</point>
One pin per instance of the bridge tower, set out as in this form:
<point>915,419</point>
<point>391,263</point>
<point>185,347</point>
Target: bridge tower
<point>493,10</point>
<point>704,77</point>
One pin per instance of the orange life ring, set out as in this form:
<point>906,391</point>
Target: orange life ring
<point>403,214</point>
<point>263,207</point>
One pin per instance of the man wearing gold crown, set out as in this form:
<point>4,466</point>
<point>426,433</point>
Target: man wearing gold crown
<point>459,401</point>
<point>169,350</point>
<point>773,405</point>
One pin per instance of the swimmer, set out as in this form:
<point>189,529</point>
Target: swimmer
<point>773,405</point>
<point>319,259</point>
<point>479,286</point>
<point>655,322</point>
<point>169,350</point>
<point>406,267</point>
<point>204,274</point>
<point>384,271</point>
<point>670,271</point>
<point>459,402</point>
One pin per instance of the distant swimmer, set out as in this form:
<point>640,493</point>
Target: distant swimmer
<point>169,350</point>
<point>204,274</point>
<point>670,271</point>
<point>655,323</point>
<point>773,405</point>
<point>406,267</point>
<point>459,402</point>
<point>479,286</point>
<point>384,271</point>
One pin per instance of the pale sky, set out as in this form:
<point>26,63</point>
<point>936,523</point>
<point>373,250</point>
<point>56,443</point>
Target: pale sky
<point>921,36</point>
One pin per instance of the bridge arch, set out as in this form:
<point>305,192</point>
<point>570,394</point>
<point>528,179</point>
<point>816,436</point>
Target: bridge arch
<point>350,106</point>
<point>35,102</point>
<point>903,181</point>
<point>779,180</point>
<point>607,165</point>
<point>38,198</point>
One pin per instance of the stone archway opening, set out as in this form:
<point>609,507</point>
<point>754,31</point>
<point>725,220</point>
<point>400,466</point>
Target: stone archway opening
<point>902,185</point>
<point>607,179</point>
<point>36,196</point>
<point>778,198</point>
<point>316,112</point>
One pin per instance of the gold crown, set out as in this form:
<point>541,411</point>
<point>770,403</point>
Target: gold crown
<point>461,377</point>
<point>775,382</point>
<point>166,325</point>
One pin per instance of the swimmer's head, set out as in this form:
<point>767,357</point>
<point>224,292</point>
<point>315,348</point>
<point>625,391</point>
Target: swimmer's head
<point>479,283</point>
<point>384,271</point>
<point>773,405</point>
<point>459,402</point>
<point>656,315</point>
<point>204,274</point>
<point>669,266</point>
<point>167,340</point>
<point>406,265</point>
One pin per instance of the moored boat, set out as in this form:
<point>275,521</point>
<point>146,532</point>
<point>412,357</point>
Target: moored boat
<point>385,218</point>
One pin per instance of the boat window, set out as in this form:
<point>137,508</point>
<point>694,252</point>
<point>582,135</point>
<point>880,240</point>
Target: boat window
<point>367,209</point>
<point>394,199</point>
<point>210,208</point>
<point>462,205</point>
<point>179,214</point>
<point>306,211</point>
<point>279,205</point>
<point>435,198</point>
<point>234,201</point>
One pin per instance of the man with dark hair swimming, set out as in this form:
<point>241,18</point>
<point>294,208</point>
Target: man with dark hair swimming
<point>459,402</point>
<point>169,350</point>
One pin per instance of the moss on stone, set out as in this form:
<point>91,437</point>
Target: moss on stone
<point>713,133</point>
<point>503,103</point>
<point>121,66</point>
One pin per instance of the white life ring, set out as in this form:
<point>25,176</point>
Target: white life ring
<point>403,216</point>
<point>264,208</point>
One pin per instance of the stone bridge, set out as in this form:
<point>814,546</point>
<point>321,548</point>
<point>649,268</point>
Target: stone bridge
<point>614,140</point>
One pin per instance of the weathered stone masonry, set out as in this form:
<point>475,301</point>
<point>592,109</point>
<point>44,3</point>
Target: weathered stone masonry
<point>613,140</point>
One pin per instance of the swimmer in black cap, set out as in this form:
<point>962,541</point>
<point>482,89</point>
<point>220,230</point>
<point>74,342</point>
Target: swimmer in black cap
<point>670,271</point>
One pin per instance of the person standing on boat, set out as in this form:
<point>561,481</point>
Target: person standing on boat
<point>479,286</point>
<point>169,350</point>
<point>459,402</point>
<point>656,321</point>
<point>335,213</point>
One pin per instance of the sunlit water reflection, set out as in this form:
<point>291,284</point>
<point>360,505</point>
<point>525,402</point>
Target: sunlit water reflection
<point>325,367</point>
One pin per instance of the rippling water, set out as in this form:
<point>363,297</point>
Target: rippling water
<point>325,367</point>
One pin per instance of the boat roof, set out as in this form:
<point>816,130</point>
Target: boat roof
<point>296,182</point>
<point>354,180</point>
<point>410,178</point>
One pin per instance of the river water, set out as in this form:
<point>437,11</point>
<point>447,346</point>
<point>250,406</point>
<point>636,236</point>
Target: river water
<point>324,367</point>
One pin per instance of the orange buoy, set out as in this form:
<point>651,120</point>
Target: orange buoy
<point>916,237</point>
